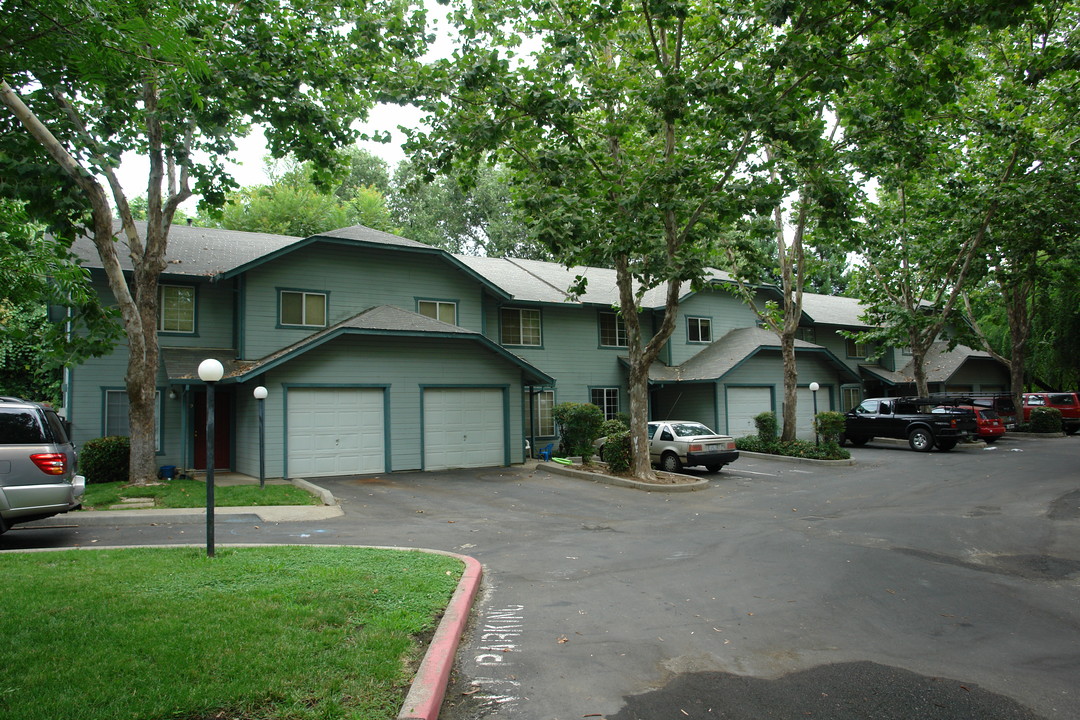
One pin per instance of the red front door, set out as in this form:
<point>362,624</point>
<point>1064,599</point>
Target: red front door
<point>222,427</point>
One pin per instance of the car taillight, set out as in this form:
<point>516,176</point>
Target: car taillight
<point>50,463</point>
<point>695,447</point>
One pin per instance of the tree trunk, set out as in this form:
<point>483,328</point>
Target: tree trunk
<point>791,388</point>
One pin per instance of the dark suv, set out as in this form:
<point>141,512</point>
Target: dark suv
<point>37,464</point>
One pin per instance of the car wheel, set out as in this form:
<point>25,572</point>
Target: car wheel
<point>990,441</point>
<point>946,445</point>
<point>1071,429</point>
<point>714,468</point>
<point>921,440</point>
<point>670,463</point>
<point>859,441</point>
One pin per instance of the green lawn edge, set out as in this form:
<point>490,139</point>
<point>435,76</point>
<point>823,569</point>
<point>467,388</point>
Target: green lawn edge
<point>274,632</point>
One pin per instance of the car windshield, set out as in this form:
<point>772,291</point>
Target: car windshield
<point>690,429</point>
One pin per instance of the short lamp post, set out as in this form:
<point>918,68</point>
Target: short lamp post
<point>260,394</point>
<point>210,371</point>
<point>814,387</point>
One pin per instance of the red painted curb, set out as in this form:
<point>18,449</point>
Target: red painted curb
<point>428,689</point>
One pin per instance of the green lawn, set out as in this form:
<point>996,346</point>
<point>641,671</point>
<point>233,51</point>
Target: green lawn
<point>192,493</point>
<point>270,633</point>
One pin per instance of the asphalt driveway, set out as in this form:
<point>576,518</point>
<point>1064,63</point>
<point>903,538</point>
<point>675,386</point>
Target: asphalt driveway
<point>940,585</point>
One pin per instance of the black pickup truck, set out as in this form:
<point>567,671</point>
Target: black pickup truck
<point>925,422</point>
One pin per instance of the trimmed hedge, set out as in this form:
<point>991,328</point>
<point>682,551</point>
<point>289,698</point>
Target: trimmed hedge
<point>105,459</point>
<point>1045,420</point>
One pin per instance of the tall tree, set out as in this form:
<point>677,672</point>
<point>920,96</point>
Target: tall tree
<point>972,181</point>
<point>85,81</point>
<point>469,213</point>
<point>637,131</point>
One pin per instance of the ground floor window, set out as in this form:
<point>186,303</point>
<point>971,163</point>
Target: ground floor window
<point>117,410</point>
<point>850,395</point>
<point>541,419</point>
<point>607,399</point>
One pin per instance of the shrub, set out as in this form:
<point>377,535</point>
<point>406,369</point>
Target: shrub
<point>797,448</point>
<point>829,425</point>
<point>766,426</point>
<point>105,459</point>
<point>579,424</point>
<point>611,427</point>
<point>1045,420</point>
<point>617,451</point>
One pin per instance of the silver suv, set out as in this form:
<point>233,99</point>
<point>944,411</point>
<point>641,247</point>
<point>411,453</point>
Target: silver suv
<point>37,464</point>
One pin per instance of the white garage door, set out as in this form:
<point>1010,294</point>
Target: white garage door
<point>463,427</point>
<point>743,403</point>
<point>335,431</point>
<point>804,423</point>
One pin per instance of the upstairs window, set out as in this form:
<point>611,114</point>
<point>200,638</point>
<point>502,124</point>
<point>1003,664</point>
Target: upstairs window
<point>807,334</point>
<point>612,330</point>
<point>857,349</point>
<point>176,309</point>
<point>439,310</point>
<point>698,330</point>
<point>520,326</point>
<point>306,309</point>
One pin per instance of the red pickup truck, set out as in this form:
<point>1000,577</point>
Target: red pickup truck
<point>1067,402</point>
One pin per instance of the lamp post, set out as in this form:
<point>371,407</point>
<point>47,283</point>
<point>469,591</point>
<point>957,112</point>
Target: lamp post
<point>210,371</point>
<point>260,394</point>
<point>814,387</point>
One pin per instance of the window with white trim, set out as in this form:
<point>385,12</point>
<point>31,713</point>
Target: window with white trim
<point>306,309</point>
<point>612,330</point>
<point>438,309</point>
<point>520,326</point>
<point>176,309</point>
<point>542,416</point>
<point>607,399</point>
<point>698,330</point>
<point>117,411</point>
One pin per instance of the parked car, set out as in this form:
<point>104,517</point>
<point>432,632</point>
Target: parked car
<point>37,464</point>
<point>1002,405</point>
<point>674,444</point>
<point>1067,402</point>
<point>910,418</point>
<point>990,426</point>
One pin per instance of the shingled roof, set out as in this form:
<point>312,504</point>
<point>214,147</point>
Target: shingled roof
<point>730,351</point>
<point>940,362</point>
<point>195,251</point>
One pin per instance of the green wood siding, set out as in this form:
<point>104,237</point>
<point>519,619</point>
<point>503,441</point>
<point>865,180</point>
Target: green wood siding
<point>355,279</point>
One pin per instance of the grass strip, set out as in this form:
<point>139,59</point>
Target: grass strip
<point>271,633</point>
<point>179,493</point>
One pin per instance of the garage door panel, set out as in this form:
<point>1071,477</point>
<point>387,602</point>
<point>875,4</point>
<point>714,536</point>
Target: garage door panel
<point>335,431</point>
<point>464,427</point>
<point>743,404</point>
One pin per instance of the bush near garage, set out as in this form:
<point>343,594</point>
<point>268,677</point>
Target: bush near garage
<point>830,425</point>
<point>579,424</point>
<point>1045,420</point>
<point>105,459</point>
<point>766,427</point>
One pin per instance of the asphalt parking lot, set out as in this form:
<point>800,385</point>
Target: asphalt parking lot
<point>939,585</point>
